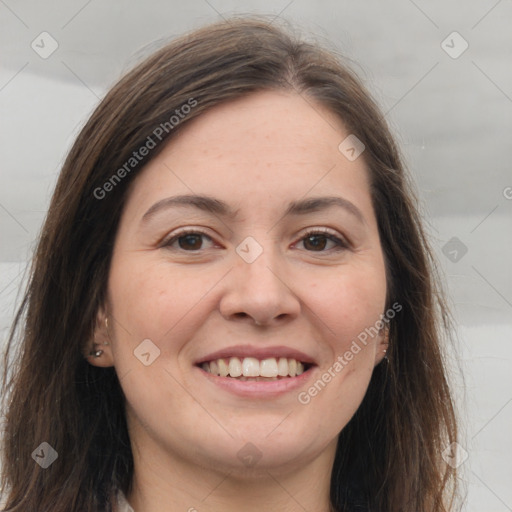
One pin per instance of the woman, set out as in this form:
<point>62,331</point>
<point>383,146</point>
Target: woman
<point>232,304</point>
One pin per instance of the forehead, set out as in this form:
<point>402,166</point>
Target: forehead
<point>285,124</point>
<point>274,144</point>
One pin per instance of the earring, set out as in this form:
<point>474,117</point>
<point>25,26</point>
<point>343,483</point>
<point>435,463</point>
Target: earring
<point>96,353</point>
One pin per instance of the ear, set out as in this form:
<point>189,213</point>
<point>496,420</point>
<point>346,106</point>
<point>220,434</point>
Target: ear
<point>98,351</point>
<point>382,345</point>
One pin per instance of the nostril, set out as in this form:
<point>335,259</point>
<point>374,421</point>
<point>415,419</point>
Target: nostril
<point>241,315</point>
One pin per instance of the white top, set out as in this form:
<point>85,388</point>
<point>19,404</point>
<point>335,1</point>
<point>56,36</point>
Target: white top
<point>122,504</point>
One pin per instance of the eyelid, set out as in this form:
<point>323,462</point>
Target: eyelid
<point>341,241</point>
<point>168,240</point>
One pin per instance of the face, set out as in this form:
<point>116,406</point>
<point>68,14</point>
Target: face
<point>248,245</point>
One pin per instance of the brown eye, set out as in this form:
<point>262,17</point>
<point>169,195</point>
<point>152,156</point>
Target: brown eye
<point>188,241</point>
<point>322,242</point>
<point>315,242</point>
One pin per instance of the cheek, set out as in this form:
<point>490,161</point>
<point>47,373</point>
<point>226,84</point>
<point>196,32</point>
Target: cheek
<point>348,301</point>
<point>348,304</point>
<point>151,299</point>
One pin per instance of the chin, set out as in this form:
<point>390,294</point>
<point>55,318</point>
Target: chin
<point>258,452</point>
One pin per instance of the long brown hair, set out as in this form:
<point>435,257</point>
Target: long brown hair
<point>388,456</point>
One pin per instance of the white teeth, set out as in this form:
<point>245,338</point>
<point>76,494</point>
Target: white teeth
<point>292,367</point>
<point>235,367</point>
<point>250,368</point>
<point>268,367</point>
<point>282,367</point>
<point>223,368</point>
<point>214,367</point>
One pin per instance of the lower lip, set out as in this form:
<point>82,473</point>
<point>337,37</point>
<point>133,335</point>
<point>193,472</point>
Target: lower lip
<point>258,389</point>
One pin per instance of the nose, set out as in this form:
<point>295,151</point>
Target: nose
<point>259,293</point>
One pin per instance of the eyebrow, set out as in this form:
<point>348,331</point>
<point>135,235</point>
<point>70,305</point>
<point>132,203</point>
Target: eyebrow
<point>222,209</point>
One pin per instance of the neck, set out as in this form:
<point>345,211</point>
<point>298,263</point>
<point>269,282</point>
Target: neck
<point>164,482</point>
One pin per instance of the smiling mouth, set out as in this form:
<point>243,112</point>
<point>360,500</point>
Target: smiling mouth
<point>252,369</point>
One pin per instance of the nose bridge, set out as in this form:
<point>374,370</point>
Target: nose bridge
<point>263,273</point>
<point>258,286</point>
<point>258,266</point>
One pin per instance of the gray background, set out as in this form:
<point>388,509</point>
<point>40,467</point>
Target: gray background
<point>451,112</point>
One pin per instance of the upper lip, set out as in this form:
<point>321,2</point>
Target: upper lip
<point>260,353</point>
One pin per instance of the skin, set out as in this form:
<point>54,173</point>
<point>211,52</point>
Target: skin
<point>257,154</point>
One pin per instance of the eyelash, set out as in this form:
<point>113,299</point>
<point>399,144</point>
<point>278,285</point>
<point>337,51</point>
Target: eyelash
<point>341,244</point>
